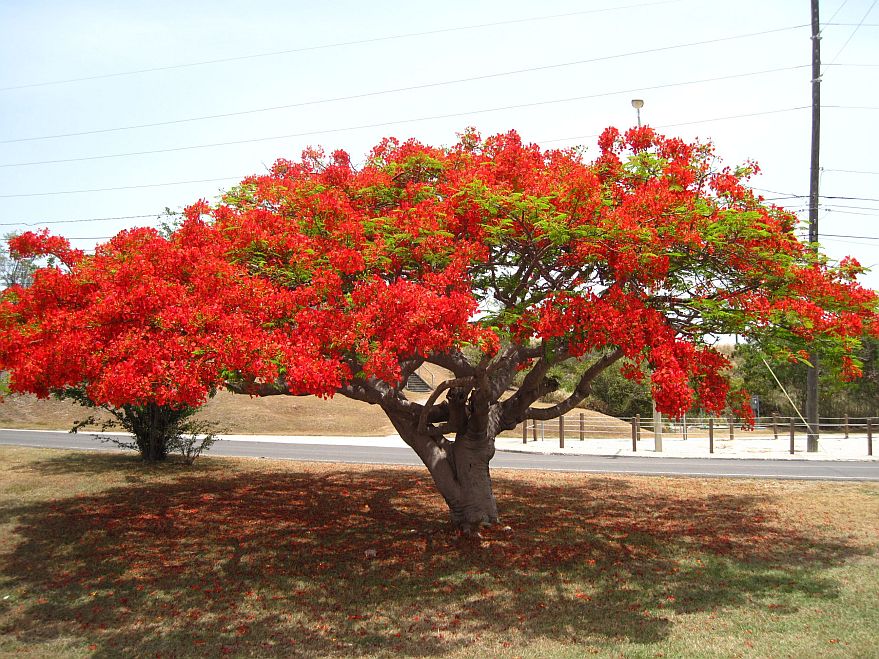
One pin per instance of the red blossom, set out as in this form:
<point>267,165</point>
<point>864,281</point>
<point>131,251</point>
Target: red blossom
<point>41,243</point>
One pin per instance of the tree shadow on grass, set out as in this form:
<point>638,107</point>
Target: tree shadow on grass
<point>346,561</point>
<point>113,462</point>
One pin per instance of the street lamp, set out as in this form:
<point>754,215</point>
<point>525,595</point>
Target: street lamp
<point>637,103</point>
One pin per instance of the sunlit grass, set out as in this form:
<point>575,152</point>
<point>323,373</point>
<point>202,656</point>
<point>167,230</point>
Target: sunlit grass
<point>102,555</point>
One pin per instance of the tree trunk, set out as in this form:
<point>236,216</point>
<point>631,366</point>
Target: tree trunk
<point>460,471</point>
<point>150,428</point>
<point>475,505</point>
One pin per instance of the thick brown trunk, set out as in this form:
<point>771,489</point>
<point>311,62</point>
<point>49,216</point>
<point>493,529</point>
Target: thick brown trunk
<point>460,471</point>
<point>475,504</point>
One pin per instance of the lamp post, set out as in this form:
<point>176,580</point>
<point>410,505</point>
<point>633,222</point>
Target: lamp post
<point>637,103</point>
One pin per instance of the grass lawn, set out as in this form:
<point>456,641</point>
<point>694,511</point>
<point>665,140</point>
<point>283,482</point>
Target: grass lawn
<point>103,556</point>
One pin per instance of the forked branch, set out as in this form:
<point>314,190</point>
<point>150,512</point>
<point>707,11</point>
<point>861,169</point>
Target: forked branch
<point>447,384</point>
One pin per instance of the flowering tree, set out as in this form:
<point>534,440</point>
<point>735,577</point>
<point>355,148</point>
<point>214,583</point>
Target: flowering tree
<point>489,258</point>
<point>139,329</point>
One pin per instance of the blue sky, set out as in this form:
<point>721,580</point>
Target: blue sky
<point>558,72</point>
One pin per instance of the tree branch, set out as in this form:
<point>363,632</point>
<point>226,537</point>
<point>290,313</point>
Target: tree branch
<point>503,369</point>
<point>453,361</point>
<point>276,388</point>
<point>379,392</point>
<point>408,367</point>
<point>535,383</point>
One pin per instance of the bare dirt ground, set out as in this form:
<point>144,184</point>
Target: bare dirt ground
<point>275,415</point>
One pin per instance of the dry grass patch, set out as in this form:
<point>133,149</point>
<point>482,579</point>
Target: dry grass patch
<point>103,556</point>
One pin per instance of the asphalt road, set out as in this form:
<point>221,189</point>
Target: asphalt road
<point>786,469</point>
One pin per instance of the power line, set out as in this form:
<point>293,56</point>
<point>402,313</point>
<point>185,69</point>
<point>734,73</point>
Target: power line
<point>823,235</point>
<point>842,235</point>
<point>858,27</point>
<point>847,210</point>
<point>847,242</point>
<point>838,205</point>
<point>843,212</point>
<point>838,9</point>
<point>30,223</point>
<point>341,44</point>
<point>850,198</point>
<point>158,215</point>
<point>824,196</point>
<point>825,239</point>
<point>380,124</point>
<point>782,194</point>
<point>851,107</point>
<point>334,130</point>
<point>835,208</point>
<point>427,85</point>
<point>397,90</point>
<point>683,123</point>
<point>121,187</point>
<point>851,171</point>
<point>829,207</point>
<point>786,195</point>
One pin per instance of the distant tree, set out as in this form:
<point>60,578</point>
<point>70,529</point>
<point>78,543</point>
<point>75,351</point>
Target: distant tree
<point>866,390</point>
<point>615,394</point>
<point>858,397</point>
<point>15,270</point>
<point>489,258</point>
<point>611,392</point>
<point>138,329</point>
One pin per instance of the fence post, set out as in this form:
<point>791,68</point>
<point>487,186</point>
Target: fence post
<point>684,429</point>
<point>638,426</point>
<point>542,431</point>
<point>775,425</point>
<point>582,426</point>
<point>657,429</point>
<point>732,430</point>
<point>562,431</point>
<point>534,429</point>
<point>634,434</point>
<point>869,435</point>
<point>845,428</point>
<point>711,435</point>
<point>792,432</point>
<point>525,431</point>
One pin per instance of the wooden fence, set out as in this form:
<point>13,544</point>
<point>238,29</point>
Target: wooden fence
<point>580,427</point>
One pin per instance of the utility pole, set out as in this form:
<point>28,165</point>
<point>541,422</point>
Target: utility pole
<point>812,375</point>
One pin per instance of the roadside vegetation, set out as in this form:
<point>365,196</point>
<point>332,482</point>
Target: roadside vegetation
<point>102,555</point>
